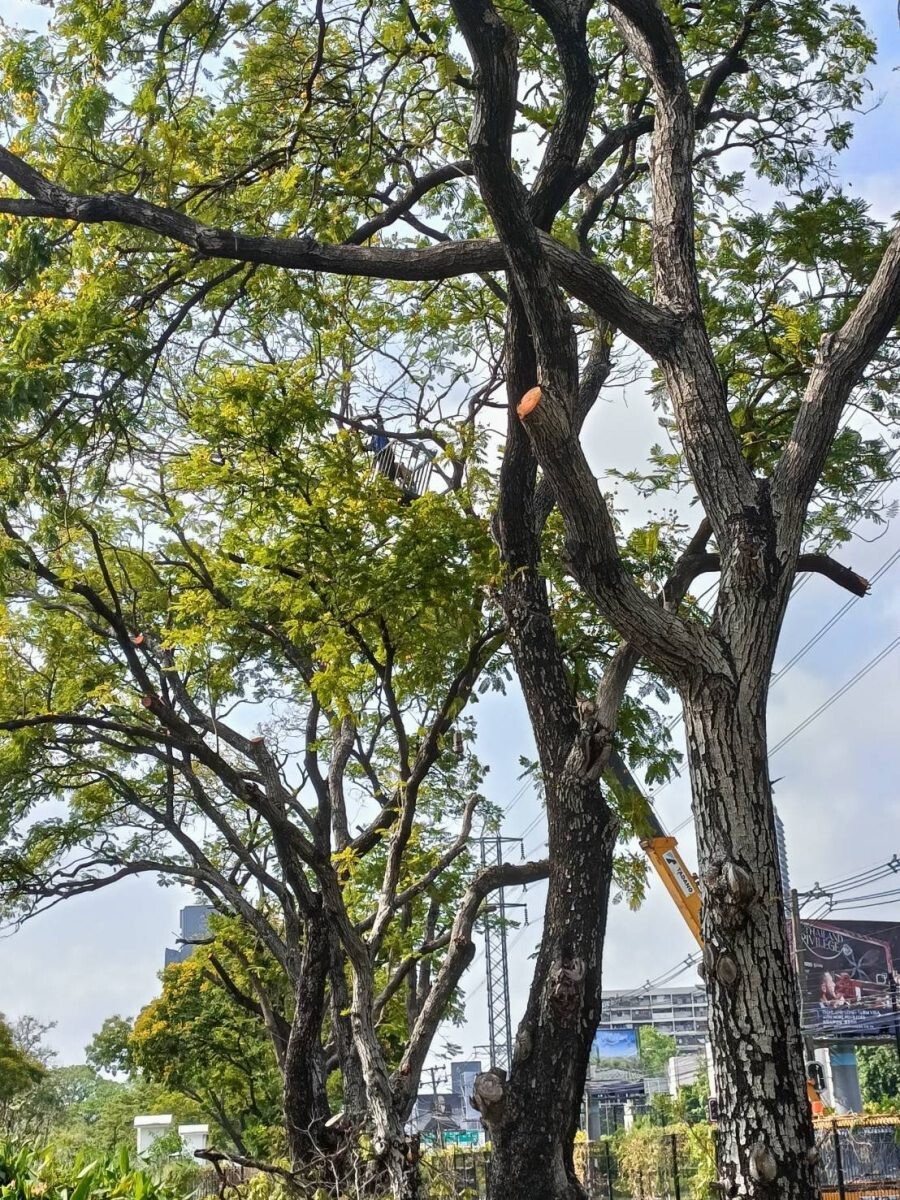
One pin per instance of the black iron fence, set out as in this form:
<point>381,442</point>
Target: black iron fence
<point>857,1159</point>
<point>667,1171</point>
<point>457,1173</point>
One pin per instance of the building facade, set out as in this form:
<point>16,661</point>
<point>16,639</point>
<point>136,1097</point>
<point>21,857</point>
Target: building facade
<point>680,1012</point>
<point>444,1114</point>
<point>194,925</point>
<point>783,871</point>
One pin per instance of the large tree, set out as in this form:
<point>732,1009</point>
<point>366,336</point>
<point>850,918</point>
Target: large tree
<point>245,668</point>
<point>238,161</point>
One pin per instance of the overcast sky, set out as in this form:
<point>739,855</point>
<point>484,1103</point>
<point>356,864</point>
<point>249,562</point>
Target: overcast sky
<point>837,790</point>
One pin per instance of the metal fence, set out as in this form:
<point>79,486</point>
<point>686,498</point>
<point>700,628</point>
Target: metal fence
<point>858,1159</point>
<point>457,1173</point>
<point>670,1174</point>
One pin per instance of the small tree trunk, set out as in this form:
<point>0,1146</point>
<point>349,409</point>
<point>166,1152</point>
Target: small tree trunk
<point>305,1102</point>
<point>354,1085</point>
<point>532,1118</point>
<point>765,1123</point>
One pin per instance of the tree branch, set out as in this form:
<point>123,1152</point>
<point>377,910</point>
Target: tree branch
<point>842,358</point>
<point>421,187</point>
<point>406,1080</point>
<point>589,282</point>
<point>721,476</point>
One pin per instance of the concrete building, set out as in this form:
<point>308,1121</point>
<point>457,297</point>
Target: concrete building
<point>685,1069</point>
<point>783,871</point>
<point>149,1129</point>
<point>194,925</point>
<point>679,1012</point>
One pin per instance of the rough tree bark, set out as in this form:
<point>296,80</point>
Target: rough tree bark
<point>305,1103</point>
<point>532,1116</point>
<point>766,1138</point>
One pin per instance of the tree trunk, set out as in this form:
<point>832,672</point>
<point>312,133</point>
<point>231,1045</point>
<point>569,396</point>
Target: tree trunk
<point>532,1118</point>
<point>765,1123</point>
<point>305,1102</point>
<point>394,1157</point>
<point>353,1083</point>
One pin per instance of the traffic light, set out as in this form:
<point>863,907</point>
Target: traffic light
<point>712,1106</point>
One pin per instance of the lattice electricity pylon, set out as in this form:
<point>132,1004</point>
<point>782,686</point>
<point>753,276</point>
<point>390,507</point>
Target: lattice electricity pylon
<point>496,960</point>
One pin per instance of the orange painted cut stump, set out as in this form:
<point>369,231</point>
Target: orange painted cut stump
<point>529,402</point>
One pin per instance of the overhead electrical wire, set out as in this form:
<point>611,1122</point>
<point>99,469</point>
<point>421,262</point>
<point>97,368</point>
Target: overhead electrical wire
<point>849,882</point>
<point>829,624</point>
<point>814,716</point>
<point>842,691</point>
<point>877,491</point>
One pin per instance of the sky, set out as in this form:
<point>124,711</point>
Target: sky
<point>836,789</point>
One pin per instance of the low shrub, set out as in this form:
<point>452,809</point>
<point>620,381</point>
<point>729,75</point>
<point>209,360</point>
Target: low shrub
<point>29,1173</point>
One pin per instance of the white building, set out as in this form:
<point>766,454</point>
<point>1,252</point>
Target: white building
<point>150,1129</point>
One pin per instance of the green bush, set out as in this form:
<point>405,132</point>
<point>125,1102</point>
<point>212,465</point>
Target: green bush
<point>27,1173</point>
<point>644,1158</point>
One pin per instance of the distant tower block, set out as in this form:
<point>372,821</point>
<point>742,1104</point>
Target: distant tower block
<point>783,871</point>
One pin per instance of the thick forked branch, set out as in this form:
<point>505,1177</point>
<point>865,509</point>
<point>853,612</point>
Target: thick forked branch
<point>590,282</point>
<point>843,356</point>
<point>677,647</point>
<point>566,20</point>
<point>493,47</point>
<point>650,38</point>
<point>459,955</point>
<point>732,62</point>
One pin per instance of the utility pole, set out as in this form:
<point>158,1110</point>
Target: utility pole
<point>496,960</point>
<point>434,1072</point>
<point>809,1054</point>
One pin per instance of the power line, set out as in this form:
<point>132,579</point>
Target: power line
<point>849,882</point>
<point>880,487</point>
<point>842,691</point>
<point>820,633</point>
<point>813,716</point>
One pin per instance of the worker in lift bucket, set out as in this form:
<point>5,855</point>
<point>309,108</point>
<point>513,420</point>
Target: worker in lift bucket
<point>380,446</point>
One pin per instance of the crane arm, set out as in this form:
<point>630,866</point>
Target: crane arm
<point>662,850</point>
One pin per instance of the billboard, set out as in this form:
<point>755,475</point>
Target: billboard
<point>614,1048</point>
<point>847,971</point>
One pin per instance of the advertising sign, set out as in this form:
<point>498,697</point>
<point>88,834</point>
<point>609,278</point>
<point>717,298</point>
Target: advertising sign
<point>847,969</point>
<point>461,1137</point>
<point>615,1048</point>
